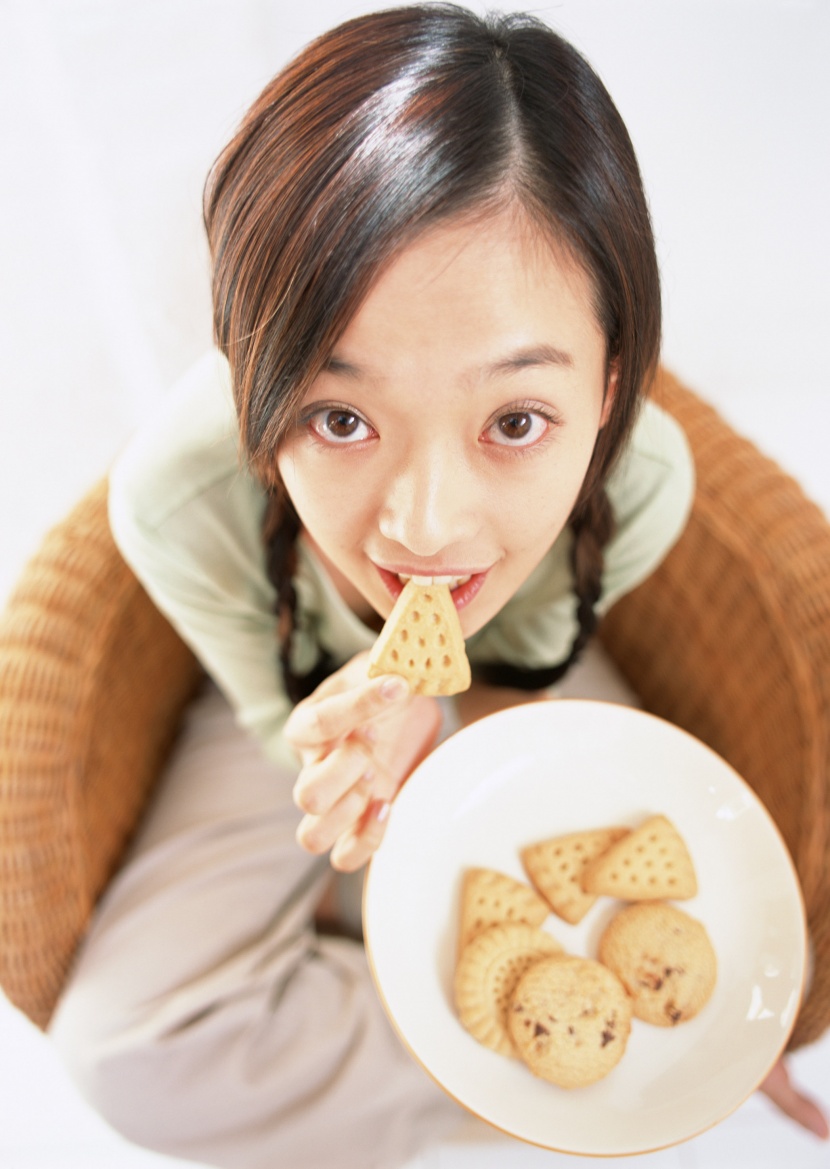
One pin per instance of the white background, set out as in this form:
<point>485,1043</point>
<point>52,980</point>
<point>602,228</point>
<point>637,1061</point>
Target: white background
<point>111,112</point>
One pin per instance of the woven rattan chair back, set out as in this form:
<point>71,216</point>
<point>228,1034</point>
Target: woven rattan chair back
<point>93,681</point>
<point>730,639</point>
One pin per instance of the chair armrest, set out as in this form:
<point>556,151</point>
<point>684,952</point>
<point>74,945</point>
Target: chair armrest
<point>730,639</point>
<point>93,681</point>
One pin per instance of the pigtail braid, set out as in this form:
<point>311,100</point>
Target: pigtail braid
<point>281,529</point>
<point>592,525</point>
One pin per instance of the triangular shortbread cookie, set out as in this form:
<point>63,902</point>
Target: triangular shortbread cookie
<point>651,863</point>
<point>422,640</point>
<point>492,898</point>
<point>556,866</point>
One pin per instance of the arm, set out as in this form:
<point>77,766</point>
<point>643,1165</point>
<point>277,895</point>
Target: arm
<point>187,520</point>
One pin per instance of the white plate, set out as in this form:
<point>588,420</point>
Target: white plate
<point>539,770</point>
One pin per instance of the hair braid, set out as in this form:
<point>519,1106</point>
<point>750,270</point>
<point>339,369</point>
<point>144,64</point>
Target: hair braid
<point>592,525</point>
<point>281,530</point>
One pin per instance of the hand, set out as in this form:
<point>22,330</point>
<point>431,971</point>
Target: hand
<point>804,1111</point>
<point>358,740</point>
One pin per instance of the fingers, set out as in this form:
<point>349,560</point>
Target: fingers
<point>318,834</point>
<point>320,785</point>
<point>804,1111</point>
<point>327,717</point>
<point>356,847</point>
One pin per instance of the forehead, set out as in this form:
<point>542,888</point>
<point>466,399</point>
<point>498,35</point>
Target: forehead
<point>473,278</point>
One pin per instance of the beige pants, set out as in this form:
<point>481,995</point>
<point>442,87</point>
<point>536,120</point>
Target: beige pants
<point>205,1018</point>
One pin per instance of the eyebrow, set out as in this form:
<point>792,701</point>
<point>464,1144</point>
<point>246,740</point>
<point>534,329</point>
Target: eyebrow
<point>536,355</point>
<point>528,358</point>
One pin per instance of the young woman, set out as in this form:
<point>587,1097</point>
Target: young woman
<point>437,312</point>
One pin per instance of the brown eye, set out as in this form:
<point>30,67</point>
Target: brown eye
<point>519,428</point>
<point>516,426</point>
<point>339,425</point>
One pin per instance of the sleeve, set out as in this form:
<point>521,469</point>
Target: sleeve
<point>187,519</point>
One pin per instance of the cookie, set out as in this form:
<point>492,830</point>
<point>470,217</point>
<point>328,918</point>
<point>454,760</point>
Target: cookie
<point>555,867</point>
<point>488,970</point>
<point>569,1020</point>
<point>489,898</point>
<point>665,960</point>
<point>651,863</point>
<point>422,640</point>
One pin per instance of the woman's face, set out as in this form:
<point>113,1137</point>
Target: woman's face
<point>453,426</point>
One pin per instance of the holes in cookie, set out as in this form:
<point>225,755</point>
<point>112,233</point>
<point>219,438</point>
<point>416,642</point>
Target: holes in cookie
<point>446,661</point>
<point>416,616</point>
<point>436,618</point>
<point>421,643</point>
<point>411,663</point>
<point>428,664</point>
<point>394,655</point>
<point>404,635</point>
<point>442,641</point>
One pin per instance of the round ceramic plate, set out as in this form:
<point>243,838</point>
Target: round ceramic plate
<point>540,770</point>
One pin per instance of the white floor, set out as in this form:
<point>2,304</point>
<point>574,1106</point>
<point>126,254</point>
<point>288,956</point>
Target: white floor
<point>110,114</point>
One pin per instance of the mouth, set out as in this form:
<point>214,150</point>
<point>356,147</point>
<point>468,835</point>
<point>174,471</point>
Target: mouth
<point>463,587</point>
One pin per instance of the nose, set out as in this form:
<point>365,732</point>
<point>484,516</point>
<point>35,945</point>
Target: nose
<point>432,502</point>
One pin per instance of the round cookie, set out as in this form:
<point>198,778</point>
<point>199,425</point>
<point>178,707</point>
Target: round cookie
<point>488,970</point>
<point>664,958</point>
<point>570,1019</point>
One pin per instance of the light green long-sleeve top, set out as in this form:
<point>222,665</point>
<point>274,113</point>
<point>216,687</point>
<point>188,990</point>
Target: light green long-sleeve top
<point>187,517</point>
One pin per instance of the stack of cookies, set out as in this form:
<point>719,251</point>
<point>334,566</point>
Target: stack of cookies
<point>569,1017</point>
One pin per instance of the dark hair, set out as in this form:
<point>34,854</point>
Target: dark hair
<point>386,125</point>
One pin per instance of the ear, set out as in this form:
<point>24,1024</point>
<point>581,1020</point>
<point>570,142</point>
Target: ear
<point>610,392</point>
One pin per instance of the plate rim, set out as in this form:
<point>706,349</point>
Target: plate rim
<point>637,712</point>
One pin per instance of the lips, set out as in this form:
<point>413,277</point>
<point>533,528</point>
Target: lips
<point>463,586</point>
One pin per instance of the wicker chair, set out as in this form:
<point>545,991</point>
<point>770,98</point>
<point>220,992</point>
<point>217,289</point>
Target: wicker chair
<point>729,639</point>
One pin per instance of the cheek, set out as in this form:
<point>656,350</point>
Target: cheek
<point>329,507</point>
<point>537,508</point>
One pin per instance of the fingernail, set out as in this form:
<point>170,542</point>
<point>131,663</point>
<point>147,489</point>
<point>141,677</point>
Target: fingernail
<point>394,687</point>
<point>366,782</point>
<point>382,811</point>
